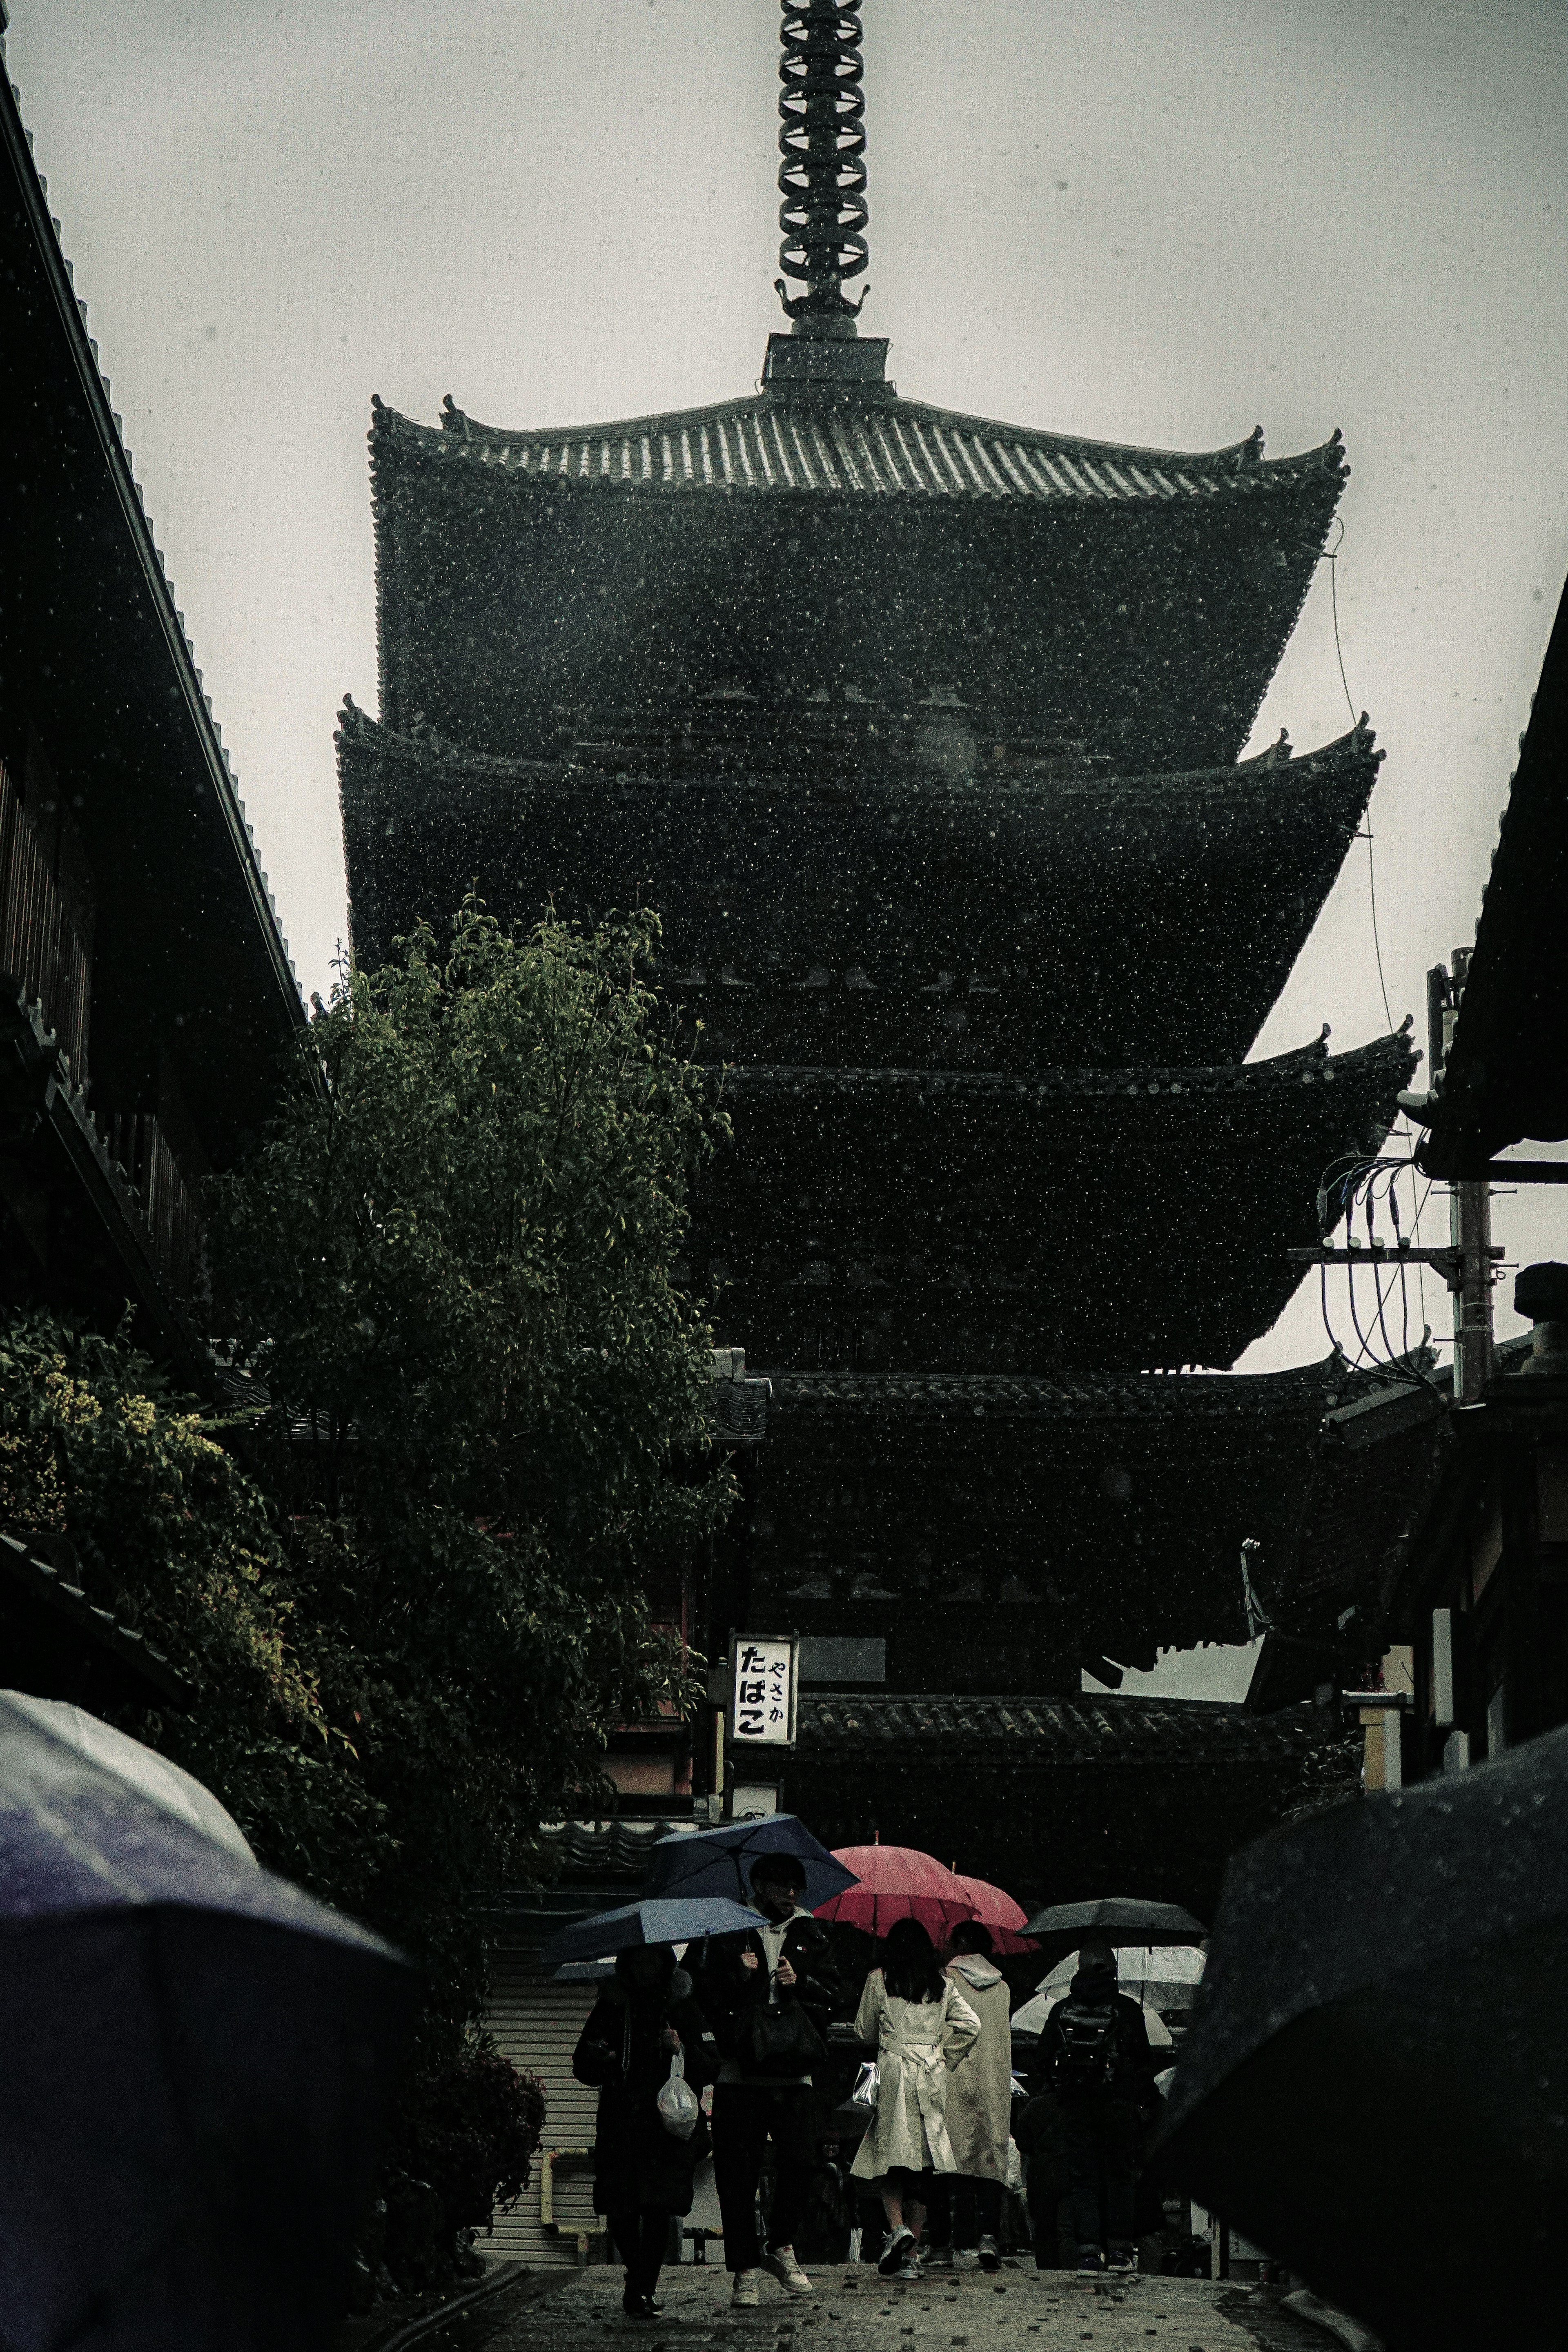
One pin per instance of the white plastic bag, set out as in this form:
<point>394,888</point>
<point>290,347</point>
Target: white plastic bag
<point>864,2094</point>
<point>677,2103</point>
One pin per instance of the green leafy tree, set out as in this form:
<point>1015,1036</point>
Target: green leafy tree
<point>170,1533</point>
<point>410,1584</point>
<point>451,1263</point>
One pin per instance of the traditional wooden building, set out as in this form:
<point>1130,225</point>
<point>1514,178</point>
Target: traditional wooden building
<point>923,734</point>
<point>1478,1591</point>
<point>146,994</point>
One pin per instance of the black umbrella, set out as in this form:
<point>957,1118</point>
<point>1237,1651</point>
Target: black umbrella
<point>1375,2084</point>
<point>194,2061</point>
<point>1118,1919</point>
<point>719,1862</point>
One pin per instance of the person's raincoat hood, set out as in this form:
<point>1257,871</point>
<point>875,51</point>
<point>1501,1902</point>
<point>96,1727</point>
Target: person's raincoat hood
<point>1095,1983</point>
<point>975,1969</point>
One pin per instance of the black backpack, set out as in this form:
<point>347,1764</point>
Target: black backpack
<point>1084,2066</point>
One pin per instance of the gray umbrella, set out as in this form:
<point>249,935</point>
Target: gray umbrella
<point>195,2065</point>
<point>1118,1919</point>
<point>1375,2084</point>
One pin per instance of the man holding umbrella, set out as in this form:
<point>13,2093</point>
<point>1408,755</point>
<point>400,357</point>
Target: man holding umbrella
<point>767,1994</point>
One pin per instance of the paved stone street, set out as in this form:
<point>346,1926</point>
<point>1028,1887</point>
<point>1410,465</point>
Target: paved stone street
<point>854,2310</point>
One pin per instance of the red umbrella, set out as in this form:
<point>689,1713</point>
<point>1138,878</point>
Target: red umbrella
<point>998,1912</point>
<point>897,1883</point>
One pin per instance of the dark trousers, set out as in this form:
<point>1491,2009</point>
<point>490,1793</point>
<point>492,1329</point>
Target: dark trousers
<point>963,2209</point>
<point>1104,2146</point>
<point>641,2233</point>
<point>1048,2197</point>
<point>744,2119</point>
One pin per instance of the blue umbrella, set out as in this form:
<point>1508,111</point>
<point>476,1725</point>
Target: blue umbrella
<point>719,1862</point>
<point>684,1920</point>
<point>197,2060</point>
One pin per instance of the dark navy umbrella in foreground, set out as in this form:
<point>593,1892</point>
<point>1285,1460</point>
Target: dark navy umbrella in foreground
<point>194,2063</point>
<point>719,1862</point>
<point>1375,2084</point>
<point>682,1919</point>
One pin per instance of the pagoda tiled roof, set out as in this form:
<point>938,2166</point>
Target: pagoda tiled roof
<point>1155,1397</point>
<point>1306,1066</point>
<point>984,1221</point>
<point>778,443</point>
<point>1099,1512</point>
<point>1013,917</point>
<point>612,566</point>
<point>1071,1729</point>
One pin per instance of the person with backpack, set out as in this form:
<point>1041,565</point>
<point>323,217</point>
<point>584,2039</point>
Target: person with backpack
<point>645,2018</point>
<point>1094,2054</point>
<point>768,1994</point>
<point>922,2027</point>
<point>965,2213</point>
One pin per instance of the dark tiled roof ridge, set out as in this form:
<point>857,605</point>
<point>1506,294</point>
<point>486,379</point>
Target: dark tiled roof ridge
<point>1303,1063</point>
<point>1076,1725</point>
<point>431,747</point>
<point>189,691</point>
<point>1233,456</point>
<point>1327,1381</point>
<point>783,447</point>
<point>1311,1388</point>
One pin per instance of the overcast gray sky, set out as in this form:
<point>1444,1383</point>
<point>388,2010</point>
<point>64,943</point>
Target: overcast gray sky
<point>1157,224</point>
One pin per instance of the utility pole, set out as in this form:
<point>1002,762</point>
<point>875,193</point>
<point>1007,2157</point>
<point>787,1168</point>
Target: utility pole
<point>1469,1207</point>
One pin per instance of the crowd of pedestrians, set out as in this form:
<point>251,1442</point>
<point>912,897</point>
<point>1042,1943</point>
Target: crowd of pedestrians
<point>941,2100</point>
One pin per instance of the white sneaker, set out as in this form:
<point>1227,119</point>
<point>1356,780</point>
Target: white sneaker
<point>781,2262</point>
<point>899,2245</point>
<point>967,2258</point>
<point>909,2269</point>
<point>746,2293</point>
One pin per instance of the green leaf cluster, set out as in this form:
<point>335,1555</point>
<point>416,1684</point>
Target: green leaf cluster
<point>172,1535</point>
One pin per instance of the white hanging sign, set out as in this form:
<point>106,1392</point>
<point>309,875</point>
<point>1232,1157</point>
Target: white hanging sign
<point>762,1690</point>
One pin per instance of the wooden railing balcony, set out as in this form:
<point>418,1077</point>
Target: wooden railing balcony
<point>46,917</point>
<point>135,1140</point>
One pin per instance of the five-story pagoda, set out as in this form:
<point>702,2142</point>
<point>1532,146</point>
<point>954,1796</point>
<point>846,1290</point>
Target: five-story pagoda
<point>923,734</point>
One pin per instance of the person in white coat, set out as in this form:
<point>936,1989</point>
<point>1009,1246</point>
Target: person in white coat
<point>922,2026</point>
<point>967,2211</point>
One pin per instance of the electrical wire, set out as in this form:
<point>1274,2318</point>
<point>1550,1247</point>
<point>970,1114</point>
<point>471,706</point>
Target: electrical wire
<point>1346,1182</point>
<point>1330,556</point>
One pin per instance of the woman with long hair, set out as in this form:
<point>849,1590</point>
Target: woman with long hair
<point>922,2026</point>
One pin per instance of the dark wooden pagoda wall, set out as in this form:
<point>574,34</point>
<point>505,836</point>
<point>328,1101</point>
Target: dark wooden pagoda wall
<point>938,806</point>
<point>996,1531</point>
<point>1147,631</point>
<point>830,901</point>
<point>979,1222</point>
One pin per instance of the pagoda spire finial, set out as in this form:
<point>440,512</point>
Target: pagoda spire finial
<point>822,138</point>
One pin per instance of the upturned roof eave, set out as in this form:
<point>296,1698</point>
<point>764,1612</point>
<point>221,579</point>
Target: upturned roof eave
<point>1390,1053</point>
<point>1238,467</point>
<point>1308,1391</point>
<point>358,729</point>
<point>1245,456</point>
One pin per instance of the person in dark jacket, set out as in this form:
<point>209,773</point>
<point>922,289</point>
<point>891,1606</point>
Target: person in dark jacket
<point>1094,2054</point>
<point>775,1984</point>
<point>642,2173</point>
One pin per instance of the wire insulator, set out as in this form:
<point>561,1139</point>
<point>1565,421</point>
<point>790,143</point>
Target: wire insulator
<point>822,138</point>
